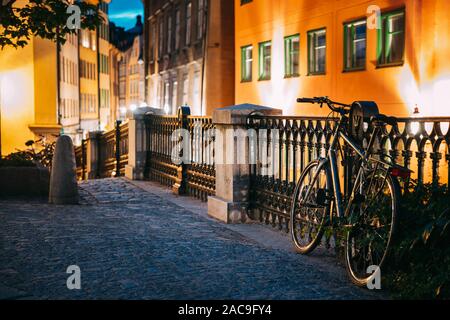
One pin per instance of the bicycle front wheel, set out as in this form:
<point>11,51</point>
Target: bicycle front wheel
<point>373,218</point>
<point>310,206</point>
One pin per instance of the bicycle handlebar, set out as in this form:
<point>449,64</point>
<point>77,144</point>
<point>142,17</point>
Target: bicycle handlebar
<point>343,108</point>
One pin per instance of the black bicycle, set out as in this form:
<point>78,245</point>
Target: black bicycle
<point>367,214</point>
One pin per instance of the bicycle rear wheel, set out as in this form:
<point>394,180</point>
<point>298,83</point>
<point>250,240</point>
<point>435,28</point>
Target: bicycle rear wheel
<point>373,222</point>
<point>310,206</point>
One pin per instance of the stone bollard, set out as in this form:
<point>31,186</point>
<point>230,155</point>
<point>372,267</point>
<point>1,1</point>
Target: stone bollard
<point>63,179</point>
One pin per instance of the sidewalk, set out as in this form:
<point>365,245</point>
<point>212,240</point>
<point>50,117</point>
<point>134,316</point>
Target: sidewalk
<point>136,240</point>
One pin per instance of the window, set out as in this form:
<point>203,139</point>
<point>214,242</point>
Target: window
<point>160,38</point>
<point>177,29</point>
<point>174,97</point>
<point>246,63</point>
<point>355,45</point>
<point>197,96</point>
<point>104,64</point>
<point>291,55</point>
<point>391,38</point>
<point>265,60</point>
<point>169,34</point>
<point>185,90</point>
<point>200,19</point>
<point>317,45</point>
<point>166,97</point>
<point>152,41</point>
<point>188,23</point>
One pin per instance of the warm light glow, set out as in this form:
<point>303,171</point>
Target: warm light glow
<point>123,110</point>
<point>432,98</point>
<point>133,107</point>
<point>142,105</point>
<point>13,98</point>
<point>278,93</point>
<point>166,109</point>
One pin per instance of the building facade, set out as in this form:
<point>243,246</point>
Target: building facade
<point>345,50</point>
<point>131,68</point>
<point>47,89</point>
<point>189,54</point>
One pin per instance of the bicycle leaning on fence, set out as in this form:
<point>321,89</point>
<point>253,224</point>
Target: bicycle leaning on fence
<point>368,213</point>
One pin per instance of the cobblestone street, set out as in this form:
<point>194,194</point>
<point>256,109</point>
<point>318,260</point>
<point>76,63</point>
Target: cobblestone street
<point>134,244</point>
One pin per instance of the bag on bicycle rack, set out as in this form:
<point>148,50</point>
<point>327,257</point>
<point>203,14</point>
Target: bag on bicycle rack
<point>361,112</point>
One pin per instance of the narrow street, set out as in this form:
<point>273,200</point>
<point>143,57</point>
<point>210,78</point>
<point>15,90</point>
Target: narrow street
<point>132,243</point>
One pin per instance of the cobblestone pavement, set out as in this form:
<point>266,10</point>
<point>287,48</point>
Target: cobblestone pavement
<point>133,244</point>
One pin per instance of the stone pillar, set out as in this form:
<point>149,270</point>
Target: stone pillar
<point>232,162</point>
<point>92,154</point>
<point>137,143</point>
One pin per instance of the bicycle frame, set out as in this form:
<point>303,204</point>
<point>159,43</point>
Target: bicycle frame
<point>331,160</point>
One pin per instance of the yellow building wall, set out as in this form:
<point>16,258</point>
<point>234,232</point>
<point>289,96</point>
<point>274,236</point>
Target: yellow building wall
<point>16,97</point>
<point>45,83</point>
<point>89,86</point>
<point>423,80</point>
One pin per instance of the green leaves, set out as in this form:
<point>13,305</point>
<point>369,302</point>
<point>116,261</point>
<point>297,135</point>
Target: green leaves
<point>421,254</point>
<point>46,19</point>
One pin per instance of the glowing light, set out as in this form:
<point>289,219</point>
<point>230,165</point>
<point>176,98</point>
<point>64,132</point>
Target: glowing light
<point>430,98</point>
<point>133,107</point>
<point>414,127</point>
<point>166,109</point>
<point>142,105</point>
<point>123,110</point>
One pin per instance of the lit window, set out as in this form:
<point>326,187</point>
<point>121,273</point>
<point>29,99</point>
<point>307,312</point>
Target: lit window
<point>391,38</point>
<point>355,45</point>
<point>265,60</point>
<point>291,52</point>
<point>246,63</point>
<point>317,45</point>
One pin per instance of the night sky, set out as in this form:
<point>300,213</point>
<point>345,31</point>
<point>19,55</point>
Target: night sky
<point>123,12</point>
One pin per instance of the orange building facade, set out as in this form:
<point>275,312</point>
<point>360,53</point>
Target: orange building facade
<point>399,58</point>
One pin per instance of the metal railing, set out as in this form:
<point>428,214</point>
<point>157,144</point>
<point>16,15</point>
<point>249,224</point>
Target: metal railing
<point>112,154</point>
<point>81,160</point>
<point>194,174</point>
<point>113,151</point>
<point>421,144</point>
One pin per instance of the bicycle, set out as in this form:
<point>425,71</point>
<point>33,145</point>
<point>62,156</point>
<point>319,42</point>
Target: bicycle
<point>367,214</point>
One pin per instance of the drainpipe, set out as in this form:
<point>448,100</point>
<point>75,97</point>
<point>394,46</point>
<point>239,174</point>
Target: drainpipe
<point>79,85</point>
<point>205,52</point>
<point>58,77</point>
<point>97,38</point>
<point>0,117</point>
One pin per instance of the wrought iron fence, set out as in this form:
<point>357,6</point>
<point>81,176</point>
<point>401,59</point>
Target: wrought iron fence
<point>201,173</point>
<point>421,144</point>
<point>113,151</point>
<point>111,157</point>
<point>195,174</point>
<point>159,166</point>
<point>81,160</point>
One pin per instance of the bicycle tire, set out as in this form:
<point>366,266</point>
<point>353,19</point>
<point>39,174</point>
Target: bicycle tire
<point>311,245</point>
